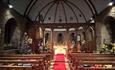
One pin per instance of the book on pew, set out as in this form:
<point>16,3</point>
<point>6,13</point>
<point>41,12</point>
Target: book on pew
<point>27,64</point>
<point>86,65</point>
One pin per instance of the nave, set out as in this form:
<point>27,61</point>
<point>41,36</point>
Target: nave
<point>57,34</point>
<point>58,61</point>
<point>43,61</point>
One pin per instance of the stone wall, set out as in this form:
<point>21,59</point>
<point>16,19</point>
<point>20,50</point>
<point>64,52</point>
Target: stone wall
<point>5,15</point>
<point>102,31</point>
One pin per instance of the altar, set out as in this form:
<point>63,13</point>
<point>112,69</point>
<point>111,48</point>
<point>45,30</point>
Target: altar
<point>60,49</point>
<point>60,37</point>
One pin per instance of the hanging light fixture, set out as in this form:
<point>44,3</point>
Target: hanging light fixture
<point>110,4</point>
<point>10,6</point>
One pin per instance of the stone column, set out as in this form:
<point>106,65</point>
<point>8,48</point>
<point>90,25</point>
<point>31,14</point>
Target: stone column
<point>77,42</point>
<point>68,43</point>
<point>43,36</point>
<point>52,40</point>
<point>1,40</point>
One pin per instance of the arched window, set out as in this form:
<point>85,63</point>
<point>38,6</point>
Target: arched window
<point>110,25</point>
<point>46,37</point>
<point>60,38</point>
<point>89,34</point>
<point>78,37</point>
<point>73,37</point>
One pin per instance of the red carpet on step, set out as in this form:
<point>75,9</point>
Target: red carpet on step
<point>59,63</point>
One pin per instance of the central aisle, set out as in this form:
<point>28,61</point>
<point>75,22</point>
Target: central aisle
<point>59,62</point>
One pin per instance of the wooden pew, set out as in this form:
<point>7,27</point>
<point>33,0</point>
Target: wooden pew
<point>33,60</point>
<point>92,54</point>
<point>47,56</point>
<point>22,62</point>
<point>79,59</point>
<point>38,61</point>
<point>88,68</point>
<point>15,68</point>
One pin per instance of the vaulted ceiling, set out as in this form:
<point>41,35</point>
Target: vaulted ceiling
<point>59,11</point>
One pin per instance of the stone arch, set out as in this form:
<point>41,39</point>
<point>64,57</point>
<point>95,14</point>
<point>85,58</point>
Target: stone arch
<point>72,36</point>
<point>10,27</point>
<point>60,38</point>
<point>92,32</point>
<point>79,37</point>
<point>89,33</point>
<point>46,37</point>
<point>109,22</point>
<point>81,32</point>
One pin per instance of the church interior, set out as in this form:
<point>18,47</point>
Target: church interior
<point>57,34</point>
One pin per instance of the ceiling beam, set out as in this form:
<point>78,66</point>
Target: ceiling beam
<point>72,11</point>
<point>31,7</point>
<point>48,11</point>
<point>89,5</point>
<point>93,7</point>
<point>78,9</point>
<point>64,12</point>
<point>55,14</point>
<point>28,7</point>
<point>42,10</point>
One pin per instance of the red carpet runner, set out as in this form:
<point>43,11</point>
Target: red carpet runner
<point>59,63</point>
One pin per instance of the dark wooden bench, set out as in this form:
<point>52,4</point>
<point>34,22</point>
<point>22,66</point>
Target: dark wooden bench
<point>79,59</point>
<point>36,61</point>
<point>89,68</point>
<point>92,54</point>
<point>25,62</point>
